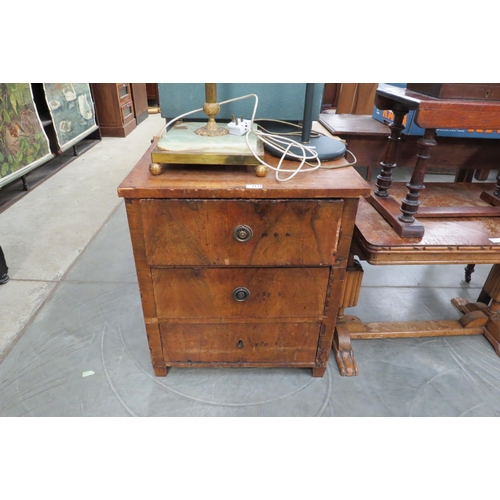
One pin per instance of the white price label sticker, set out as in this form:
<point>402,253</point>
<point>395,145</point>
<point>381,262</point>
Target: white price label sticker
<point>494,240</point>
<point>254,186</point>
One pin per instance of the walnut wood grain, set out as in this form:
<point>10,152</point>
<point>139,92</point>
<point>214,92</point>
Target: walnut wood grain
<point>262,343</point>
<point>189,264</point>
<point>145,286</point>
<point>138,245</point>
<point>200,232</point>
<point>205,294</point>
<point>221,182</point>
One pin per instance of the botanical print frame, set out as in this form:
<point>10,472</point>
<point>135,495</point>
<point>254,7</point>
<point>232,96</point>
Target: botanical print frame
<point>72,111</point>
<point>23,142</point>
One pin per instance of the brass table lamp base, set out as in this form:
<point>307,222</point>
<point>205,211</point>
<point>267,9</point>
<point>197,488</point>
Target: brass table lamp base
<point>211,129</point>
<point>183,145</point>
<point>189,144</point>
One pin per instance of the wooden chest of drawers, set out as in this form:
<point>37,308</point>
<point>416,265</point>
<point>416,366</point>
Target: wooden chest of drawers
<point>115,108</point>
<point>234,273</point>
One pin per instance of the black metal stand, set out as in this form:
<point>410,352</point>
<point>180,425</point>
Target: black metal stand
<point>4,277</point>
<point>327,148</point>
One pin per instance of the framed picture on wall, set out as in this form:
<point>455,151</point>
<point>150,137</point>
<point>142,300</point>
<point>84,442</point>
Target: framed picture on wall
<point>72,111</point>
<point>23,142</point>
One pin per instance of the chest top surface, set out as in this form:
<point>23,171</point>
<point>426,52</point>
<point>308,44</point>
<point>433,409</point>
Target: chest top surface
<point>209,182</point>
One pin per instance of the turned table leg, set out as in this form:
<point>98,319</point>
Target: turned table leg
<point>384,179</point>
<point>410,204</point>
<point>497,186</point>
<point>469,269</point>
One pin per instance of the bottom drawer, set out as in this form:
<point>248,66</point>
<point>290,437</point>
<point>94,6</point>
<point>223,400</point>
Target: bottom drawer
<point>127,111</point>
<point>279,343</point>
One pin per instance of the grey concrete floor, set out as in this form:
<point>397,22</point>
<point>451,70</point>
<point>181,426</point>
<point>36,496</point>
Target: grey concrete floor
<point>73,341</point>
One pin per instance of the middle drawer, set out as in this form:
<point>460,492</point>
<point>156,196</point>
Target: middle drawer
<point>241,232</point>
<point>240,294</point>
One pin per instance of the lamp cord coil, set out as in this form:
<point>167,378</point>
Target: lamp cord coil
<point>281,141</point>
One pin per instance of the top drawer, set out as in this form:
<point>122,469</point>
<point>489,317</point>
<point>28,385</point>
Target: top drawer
<point>241,233</point>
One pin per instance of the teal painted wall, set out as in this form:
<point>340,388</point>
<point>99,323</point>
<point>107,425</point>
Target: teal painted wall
<point>282,101</point>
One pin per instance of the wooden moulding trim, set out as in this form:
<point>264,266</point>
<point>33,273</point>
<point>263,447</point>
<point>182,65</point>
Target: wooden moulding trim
<point>385,255</point>
<point>385,259</point>
<point>237,193</point>
<point>430,249</point>
<point>239,364</point>
<point>234,320</point>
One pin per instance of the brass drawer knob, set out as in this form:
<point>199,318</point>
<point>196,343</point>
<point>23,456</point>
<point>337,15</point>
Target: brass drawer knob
<point>242,233</point>
<point>241,294</point>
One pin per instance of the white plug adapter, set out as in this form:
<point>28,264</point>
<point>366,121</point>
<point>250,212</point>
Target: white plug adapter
<point>238,126</point>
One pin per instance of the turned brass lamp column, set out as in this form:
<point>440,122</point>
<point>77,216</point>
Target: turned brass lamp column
<point>211,108</point>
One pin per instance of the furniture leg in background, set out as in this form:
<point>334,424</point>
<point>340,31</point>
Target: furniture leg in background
<point>4,277</point>
<point>431,114</point>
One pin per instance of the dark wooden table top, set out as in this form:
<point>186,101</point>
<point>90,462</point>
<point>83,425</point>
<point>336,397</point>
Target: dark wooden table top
<point>353,124</point>
<point>445,241</point>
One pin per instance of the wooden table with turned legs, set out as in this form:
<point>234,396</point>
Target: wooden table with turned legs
<point>431,113</point>
<point>447,240</point>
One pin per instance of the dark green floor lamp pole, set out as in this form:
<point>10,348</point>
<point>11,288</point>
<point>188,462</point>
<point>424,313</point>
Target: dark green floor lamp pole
<point>327,148</point>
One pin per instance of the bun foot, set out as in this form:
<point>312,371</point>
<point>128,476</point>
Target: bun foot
<point>156,168</point>
<point>260,171</point>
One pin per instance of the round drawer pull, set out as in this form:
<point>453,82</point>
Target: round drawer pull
<point>241,294</point>
<point>242,233</point>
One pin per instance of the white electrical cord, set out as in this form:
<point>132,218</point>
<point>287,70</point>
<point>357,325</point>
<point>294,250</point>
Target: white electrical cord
<point>282,142</point>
